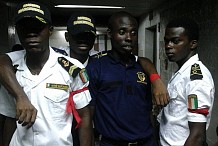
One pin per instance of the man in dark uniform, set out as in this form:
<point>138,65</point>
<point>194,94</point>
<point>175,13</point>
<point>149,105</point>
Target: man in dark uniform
<point>120,89</point>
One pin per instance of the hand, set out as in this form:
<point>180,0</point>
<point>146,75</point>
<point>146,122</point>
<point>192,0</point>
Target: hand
<point>160,93</point>
<point>25,112</point>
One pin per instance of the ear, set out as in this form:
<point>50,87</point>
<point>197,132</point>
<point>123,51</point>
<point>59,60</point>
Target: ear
<point>51,28</point>
<point>66,36</point>
<point>193,44</point>
<point>109,33</point>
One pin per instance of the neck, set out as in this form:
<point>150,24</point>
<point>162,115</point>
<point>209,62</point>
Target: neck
<point>35,62</point>
<point>125,58</point>
<point>181,62</point>
<point>81,57</point>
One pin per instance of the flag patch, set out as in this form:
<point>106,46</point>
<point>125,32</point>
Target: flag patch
<point>84,76</point>
<point>192,101</point>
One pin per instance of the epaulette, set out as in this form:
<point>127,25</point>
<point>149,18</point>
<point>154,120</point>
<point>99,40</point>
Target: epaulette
<point>60,51</point>
<point>72,69</point>
<point>100,54</point>
<point>196,73</point>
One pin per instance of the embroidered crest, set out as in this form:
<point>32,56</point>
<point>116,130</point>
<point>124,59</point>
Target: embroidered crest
<point>196,72</point>
<point>57,86</point>
<point>72,69</point>
<point>192,101</point>
<point>141,78</point>
<point>84,76</point>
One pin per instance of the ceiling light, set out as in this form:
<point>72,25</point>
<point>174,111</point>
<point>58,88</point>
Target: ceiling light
<point>89,7</point>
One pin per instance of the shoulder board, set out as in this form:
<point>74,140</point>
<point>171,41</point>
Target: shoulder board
<point>196,73</point>
<point>72,69</point>
<point>60,51</point>
<point>100,54</point>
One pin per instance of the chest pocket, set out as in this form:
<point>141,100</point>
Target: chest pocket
<point>56,102</point>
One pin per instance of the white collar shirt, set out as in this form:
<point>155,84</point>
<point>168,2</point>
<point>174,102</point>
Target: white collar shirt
<point>174,117</point>
<point>45,91</point>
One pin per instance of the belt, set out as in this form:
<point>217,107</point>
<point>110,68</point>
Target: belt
<point>124,143</point>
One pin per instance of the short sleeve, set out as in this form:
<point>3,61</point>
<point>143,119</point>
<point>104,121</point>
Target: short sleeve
<point>204,93</point>
<point>79,85</point>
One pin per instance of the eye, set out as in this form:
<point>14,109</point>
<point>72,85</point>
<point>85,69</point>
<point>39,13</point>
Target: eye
<point>176,41</point>
<point>134,33</point>
<point>121,32</point>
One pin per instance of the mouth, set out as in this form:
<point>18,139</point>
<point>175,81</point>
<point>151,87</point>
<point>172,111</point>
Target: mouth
<point>169,54</point>
<point>127,47</point>
<point>83,47</point>
<point>32,41</point>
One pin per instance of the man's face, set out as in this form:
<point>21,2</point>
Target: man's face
<point>33,35</point>
<point>82,42</point>
<point>124,35</point>
<point>177,45</point>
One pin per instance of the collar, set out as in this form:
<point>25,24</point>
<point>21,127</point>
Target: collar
<point>188,63</point>
<point>50,62</point>
<point>117,60</point>
<point>86,62</point>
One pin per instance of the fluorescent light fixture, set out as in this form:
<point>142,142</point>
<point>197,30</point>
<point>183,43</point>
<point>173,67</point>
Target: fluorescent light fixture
<point>89,7</point>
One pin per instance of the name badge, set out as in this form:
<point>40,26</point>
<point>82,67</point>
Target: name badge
<point>57,86</point>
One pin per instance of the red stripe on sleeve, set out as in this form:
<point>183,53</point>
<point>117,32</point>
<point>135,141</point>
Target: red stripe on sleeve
<point>199,111</point>
<point>70,108</point>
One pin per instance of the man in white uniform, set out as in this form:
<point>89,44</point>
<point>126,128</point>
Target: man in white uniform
<point>55,84</point>
<point>191,89</point>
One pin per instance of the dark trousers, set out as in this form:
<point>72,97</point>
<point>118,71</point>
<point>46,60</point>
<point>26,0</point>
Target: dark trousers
<point>108,142</point>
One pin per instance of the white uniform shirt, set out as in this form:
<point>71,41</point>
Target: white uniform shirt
<point>53,125</point>
<point>174,117</point>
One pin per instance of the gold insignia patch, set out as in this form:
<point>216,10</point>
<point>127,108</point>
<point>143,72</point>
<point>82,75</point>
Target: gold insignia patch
<point>72,69</point>
<point>141,78</point>
<point>57,86</point>
<point>196,72</point>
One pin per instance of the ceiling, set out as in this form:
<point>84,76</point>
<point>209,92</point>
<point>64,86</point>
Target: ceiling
<point>60,15</point>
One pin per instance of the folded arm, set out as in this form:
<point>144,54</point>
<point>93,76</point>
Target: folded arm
<point>160,92</point>
<point>25,111</point>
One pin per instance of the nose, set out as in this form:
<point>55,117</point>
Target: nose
<point>128,37</point>
<point>168,44</point>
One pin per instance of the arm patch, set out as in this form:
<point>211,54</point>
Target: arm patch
<point>196,73</point>
<point>72,69</point>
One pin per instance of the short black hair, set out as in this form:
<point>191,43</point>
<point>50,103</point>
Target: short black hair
<point>190,26</point>
<point>117,15</point>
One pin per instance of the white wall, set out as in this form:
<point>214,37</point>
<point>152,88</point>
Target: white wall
<point>145,37</point>
<point>57,39</point>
